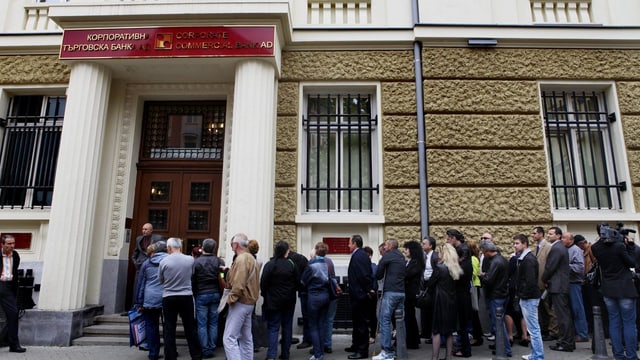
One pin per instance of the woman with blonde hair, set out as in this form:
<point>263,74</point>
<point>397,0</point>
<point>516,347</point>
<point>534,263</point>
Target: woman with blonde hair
<point>442,284</point>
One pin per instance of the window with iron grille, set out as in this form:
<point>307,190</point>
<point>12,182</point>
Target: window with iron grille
<point>580,149</point>
<point>339,140</point>
<point>30,151</point>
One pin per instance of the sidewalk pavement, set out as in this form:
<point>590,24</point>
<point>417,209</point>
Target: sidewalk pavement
<point>340,341</point>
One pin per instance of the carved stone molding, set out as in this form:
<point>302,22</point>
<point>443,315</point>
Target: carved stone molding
<point>134,94</point>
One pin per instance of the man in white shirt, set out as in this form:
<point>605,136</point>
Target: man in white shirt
<point>430,261</point>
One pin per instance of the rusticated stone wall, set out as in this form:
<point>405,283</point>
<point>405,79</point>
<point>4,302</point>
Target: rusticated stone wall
<point>394,70</point>
<point>33,69</point>
<point>484,135</point>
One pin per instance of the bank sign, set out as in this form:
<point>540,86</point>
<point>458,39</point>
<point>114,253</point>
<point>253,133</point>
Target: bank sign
<point>163,42</point>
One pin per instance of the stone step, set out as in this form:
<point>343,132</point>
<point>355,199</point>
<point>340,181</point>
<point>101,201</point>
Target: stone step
<point>118,329</point>
<point>114,330</point>
<point>112,341</point>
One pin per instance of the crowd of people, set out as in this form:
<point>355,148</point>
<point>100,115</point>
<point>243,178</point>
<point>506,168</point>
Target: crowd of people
<point>533,291</point>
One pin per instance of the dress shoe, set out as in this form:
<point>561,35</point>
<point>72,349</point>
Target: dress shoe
<point>303,345</point>
<point>560,348</point>
<point>294,341</point>
<point>581,339</point>
<point>524,342</point>
<point>350,349</point>
<point>549,338</point>
<point>17,349</point>
<point>328,350</point>
<point>358,356</point>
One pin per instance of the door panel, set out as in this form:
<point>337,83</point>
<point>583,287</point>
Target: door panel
<point>182,204</point>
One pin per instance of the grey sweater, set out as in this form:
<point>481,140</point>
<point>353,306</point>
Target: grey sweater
<point>175,274</point>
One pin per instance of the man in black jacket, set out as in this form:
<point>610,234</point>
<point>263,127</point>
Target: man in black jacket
<point>206,291</point>
<point>619,293</point>
<point>392,268</point>
<point>9,290</point>
<point>528,293</point>
<point>463,290</point>
<point>360,289</point>
<point>495,282</point>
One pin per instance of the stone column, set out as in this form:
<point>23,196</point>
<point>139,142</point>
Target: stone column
<point>68,248</point>
<point>252,155</point>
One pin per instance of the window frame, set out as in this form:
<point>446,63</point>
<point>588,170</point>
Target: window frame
<point>342,215</point>
<point>614,152</point>
<point>6,94</point>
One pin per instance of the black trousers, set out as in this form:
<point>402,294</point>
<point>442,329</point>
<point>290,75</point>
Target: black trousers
<point>360,329</point>
<point>182,305</point>
<point>8,302</point>
<point>463,304</point>
<point>561,307</point>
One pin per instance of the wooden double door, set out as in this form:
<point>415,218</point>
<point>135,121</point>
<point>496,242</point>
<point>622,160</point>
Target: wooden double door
<point>182,202</point>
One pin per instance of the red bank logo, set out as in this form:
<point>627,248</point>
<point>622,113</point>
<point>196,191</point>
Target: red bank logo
<point>164,41</point>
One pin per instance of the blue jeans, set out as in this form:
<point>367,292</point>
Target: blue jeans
<point>152,329</point>
<point>331,314</point>
<point>304,299</point>
<point>317,306</point>
<point>577,309</point>
<point>277,319</point>
<point>207,316</point>
<point>494,305</point>
<point>391,301</point>
<point>622,323</point>
<point>529,309</point>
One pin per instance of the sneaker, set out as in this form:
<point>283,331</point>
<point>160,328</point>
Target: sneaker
<point>381,356</point>
<point>491,338</point>
<point>526,357</point>
<point>304,345</point>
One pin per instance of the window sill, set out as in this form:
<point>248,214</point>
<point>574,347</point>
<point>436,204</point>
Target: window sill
<point>610,216</point>
<point>339,218</point>
<point>25,214</point>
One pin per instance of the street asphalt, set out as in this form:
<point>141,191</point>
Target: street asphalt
<point>340,342</point>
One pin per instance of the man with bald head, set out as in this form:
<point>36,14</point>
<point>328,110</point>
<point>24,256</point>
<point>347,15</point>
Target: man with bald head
<point>576,277</point>
<point>142,242</point>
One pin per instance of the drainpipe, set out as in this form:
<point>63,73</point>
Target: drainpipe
<point>422,159</point>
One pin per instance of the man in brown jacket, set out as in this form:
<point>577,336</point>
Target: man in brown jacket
<point>547,318</point>
<point>244,281</point>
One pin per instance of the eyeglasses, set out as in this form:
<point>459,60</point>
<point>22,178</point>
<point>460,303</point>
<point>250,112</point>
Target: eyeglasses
<point>485,238</point>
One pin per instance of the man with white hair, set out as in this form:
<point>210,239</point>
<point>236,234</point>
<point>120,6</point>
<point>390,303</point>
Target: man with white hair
<point>175,273</point>
<point>244,281</point>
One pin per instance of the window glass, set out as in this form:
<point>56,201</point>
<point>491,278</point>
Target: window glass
<point>580,149</point>
<point>339,150</point>
<point>30,150</point>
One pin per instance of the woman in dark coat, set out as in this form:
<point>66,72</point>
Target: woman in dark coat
<point>412,278</point>
<point>442,284</point>
<point>278,287</point>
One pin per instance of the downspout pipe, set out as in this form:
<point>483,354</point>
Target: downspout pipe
<point>422,158</point>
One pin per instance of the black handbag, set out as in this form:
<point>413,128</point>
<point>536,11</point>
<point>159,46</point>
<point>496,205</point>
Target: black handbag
<point>423,298</point>
<point>594,275</point>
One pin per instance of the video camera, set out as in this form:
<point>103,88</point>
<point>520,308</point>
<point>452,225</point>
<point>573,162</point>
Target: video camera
<point>611,235</point>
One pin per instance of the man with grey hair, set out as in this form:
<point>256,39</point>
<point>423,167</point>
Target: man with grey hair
<point>244,281</point>
<point>175,273</point>
<point>207,269</point>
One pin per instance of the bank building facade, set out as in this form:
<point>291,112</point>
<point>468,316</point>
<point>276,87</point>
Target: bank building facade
<point>303,121</point>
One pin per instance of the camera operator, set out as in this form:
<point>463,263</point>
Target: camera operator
<point>617,287</point>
